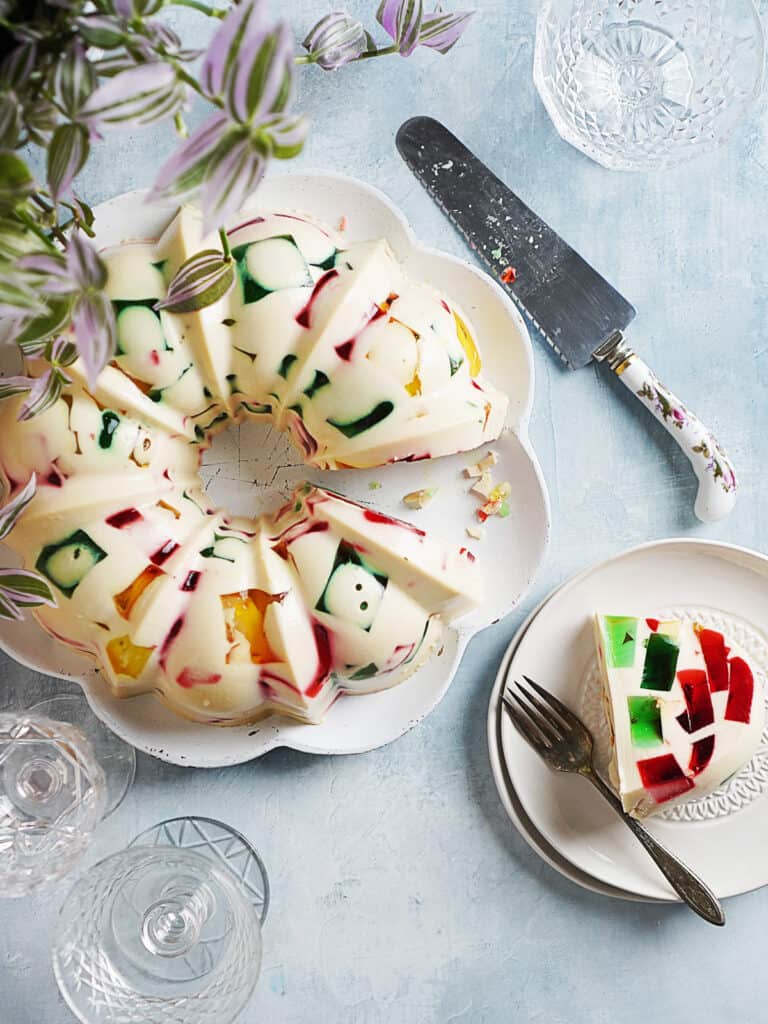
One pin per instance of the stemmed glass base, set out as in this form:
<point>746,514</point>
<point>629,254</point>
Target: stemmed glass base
<point>116,757</point>
<point>168,930</point>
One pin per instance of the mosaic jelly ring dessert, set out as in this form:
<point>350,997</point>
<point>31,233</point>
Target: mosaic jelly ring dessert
<point>227,618</point>
<point>685,707</point>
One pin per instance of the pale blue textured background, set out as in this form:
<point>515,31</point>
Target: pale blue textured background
<point>402,895</point>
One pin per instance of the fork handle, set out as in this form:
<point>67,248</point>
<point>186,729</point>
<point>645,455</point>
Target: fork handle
<point>688,886</point>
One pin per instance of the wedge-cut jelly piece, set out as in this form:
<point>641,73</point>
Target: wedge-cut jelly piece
<point>67,563</point>
<point>126,599</point>
<point>126,657</point>
<point>715,657</point>
<point>663,777</point>
<point>244,614</point>
<point>698,700</point>
<point>701,754</point>
<point>621,639</point>
<point>645,721</point>
<point>660,664</point>
<point>741,690</point>
<point>474,363</point>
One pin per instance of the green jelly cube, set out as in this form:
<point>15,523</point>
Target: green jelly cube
<point>645,721</point>
<point>660,663</point>
<point>620,633</point>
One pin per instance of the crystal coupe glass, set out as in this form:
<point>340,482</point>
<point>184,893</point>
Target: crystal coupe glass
<point>167,931</point>
<point>61,772</point>
<point>646,84</point>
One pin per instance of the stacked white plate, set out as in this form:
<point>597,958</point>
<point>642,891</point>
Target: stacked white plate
<point>721,837</point>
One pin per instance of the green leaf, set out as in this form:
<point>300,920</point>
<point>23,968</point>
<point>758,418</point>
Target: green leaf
<point>51,322</point>
<point>67,154</point>
<point>29,584</point>
<point>16,181</point>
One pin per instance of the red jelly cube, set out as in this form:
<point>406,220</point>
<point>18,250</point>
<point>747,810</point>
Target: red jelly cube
<point>663,777</point>
<point>716,657</point>
<point>701,754</point>
<point>698,700</point>
<point>740,692</point>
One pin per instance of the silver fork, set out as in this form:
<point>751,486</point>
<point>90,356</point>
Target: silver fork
<point>562,740</point>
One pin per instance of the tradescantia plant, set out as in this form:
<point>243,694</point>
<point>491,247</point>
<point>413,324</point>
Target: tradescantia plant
<point>73,70</point>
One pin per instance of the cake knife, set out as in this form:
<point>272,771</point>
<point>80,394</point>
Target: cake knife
<point>579,313</point>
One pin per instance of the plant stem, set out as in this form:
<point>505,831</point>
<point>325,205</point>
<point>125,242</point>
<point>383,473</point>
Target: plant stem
<point>225,244</point>
<point>28,223</point>
<point>377,53</point>
<point>212,12</point>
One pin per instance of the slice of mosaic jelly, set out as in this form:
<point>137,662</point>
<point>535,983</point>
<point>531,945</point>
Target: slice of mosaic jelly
<point>698,700</point>
<point>67,563</point>
<point>644,721</point>
<point>126,657</point>
<point>621,638</point>
<point>660,665</point>
<point>663,777</point>
<point>244,614</point>
<point>354,590</point>
<point>270,265</point>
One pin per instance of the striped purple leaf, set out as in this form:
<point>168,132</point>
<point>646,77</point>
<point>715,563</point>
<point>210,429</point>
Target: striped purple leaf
<point>138,96</point>
<point>199,282</point>
<point>21,589</point>
<point>335,40</point>
<point>181,175</point>
<point>441,30</point>
<point>67,154</point>
<point>93,322</point>
<point>11,511</point>
<point>233,174</point>
<point>402,19</point>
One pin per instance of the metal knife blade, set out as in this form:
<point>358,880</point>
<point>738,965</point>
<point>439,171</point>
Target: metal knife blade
<point>573,306</point>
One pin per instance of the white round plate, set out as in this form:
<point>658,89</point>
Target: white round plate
<point>557,650</point>
<point>253,468</point>
<point>506,790</point>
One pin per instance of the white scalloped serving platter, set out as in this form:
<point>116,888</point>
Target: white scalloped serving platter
<point>561,816</point>
<point>253,468</point>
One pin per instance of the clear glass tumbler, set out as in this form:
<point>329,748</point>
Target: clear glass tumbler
<point>167,931</point>
<point>646,84</point>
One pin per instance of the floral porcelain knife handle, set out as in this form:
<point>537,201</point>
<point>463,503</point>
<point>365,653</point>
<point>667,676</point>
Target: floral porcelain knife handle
<point>577,311</point>
<point>717,479</point>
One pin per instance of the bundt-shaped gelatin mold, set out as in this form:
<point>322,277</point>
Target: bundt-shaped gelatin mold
<point>229,618</point>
